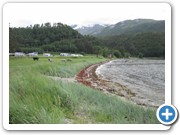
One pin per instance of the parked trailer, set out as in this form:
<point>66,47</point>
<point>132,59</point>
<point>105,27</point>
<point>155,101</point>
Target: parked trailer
<point>19,54</point>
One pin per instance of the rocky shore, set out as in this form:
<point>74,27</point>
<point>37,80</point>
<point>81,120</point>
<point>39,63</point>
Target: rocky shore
<point>88,77</point>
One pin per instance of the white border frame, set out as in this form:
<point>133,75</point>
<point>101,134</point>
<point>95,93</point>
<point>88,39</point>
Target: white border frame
<point>8,126</point>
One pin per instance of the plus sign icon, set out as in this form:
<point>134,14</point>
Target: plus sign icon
<point>167,114</point>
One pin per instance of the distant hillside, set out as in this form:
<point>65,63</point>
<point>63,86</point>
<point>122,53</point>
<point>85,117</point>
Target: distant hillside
<point>133,26</point>
<point>134,38</point>
<point>124,27</point>
<point>89,30</point>
<point>150,44</point>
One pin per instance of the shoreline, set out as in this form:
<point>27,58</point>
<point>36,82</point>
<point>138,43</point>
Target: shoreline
<point>88,77</point>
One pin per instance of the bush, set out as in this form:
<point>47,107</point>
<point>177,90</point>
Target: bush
<point>127,55</point>
<point>117,54</point>
<point>140,55</point>
<point>105,52</point>
<point>82,53</point>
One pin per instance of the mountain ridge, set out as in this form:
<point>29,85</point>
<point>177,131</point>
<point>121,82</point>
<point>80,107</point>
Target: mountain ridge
<point>89,29</point>
<point>123,27</point>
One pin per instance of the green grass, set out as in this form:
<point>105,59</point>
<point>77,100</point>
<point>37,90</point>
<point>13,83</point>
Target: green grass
<point>36,98</point>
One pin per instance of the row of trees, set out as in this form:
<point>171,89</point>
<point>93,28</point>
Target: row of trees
<point>62,38</point>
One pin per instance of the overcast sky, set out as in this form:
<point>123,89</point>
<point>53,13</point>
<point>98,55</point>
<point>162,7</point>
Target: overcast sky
<point>25,14</point>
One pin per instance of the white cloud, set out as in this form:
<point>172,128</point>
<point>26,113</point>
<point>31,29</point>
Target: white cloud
<point>24,14</point>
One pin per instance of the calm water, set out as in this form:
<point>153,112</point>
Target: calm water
<point>146,78</point>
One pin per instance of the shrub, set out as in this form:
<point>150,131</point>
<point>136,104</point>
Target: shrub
<point>140,55</point>
<point>117,54</point>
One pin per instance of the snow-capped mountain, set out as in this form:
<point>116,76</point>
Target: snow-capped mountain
<point>123,27</point>
<point>89,29</point>
<point>133,27</point>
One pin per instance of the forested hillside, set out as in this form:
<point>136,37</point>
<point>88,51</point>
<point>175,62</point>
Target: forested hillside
<point>36,36</point>
<point>150,44</point>
<point>124,27</point>
<point>133,27</point>
<point>62,38</point>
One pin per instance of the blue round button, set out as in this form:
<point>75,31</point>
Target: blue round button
<point>167,114</point>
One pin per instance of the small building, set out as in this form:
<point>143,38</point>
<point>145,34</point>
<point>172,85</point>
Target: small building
<point>71,55</point>
<point>11,54</point>
<point>65,54</point>
<point>19,54</point>
<point>77,55</point>
<point>33,54</point>
<point>47,54</point>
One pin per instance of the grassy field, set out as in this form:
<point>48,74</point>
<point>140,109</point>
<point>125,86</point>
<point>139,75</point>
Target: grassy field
<point>37,98</point>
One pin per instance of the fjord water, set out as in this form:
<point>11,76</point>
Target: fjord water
<point>144,77</point>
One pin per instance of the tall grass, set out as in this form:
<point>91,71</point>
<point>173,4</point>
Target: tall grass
<point>32,100</point>
<point>104,108</point>
<point>35,98</point>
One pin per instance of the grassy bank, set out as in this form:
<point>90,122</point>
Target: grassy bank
<point>36,98</point>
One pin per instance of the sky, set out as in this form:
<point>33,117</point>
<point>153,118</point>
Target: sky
<point>26,14</point>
